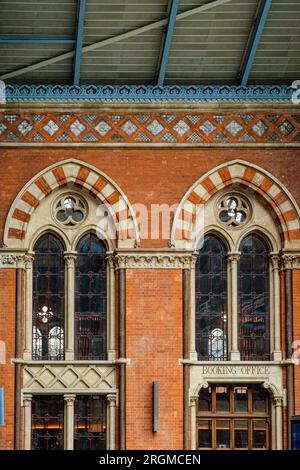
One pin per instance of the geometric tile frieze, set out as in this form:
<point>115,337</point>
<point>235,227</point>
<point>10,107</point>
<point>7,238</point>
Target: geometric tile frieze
<point>152,128</point>
<point>62,377</point>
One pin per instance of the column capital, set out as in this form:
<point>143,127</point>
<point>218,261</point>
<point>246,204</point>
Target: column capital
<point>29,258</point>
<point>112,399</point>
<point>27,399</point>
<point>275,260</point>
<point>70,257</point>
<point>69,399</point>
<point>290,260</point>
<point>278,400</point>
<point>233,256</point>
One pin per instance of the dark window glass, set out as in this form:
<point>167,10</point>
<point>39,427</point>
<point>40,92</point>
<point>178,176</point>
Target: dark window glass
<point>222,399</point>
<point>211,301</point>
<point>222,434</point>
<point>254,322</point>
<point>241,439</point>
<point>241,399</point>
<point>90,299</point>
<point>205,399</point>
<point>47,423</point>
<point>90,423</point>
<point>48,299</point>
<point>259,434</point>
<point>259,400</point>
<point>204,434</point>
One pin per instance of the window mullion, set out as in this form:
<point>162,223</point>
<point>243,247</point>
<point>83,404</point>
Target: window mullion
<point>70,259</point>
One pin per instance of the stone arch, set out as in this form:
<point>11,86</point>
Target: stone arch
<point>245,175</point>
<point>82,176</point>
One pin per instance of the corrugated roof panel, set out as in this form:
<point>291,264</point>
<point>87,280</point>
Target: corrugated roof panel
<point>218,36</point>
<point>277,58</point>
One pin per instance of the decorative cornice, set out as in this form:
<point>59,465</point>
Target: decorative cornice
<point>290,261</point>
<point>148,93</point>
<point>155,261</point>
<point>12,260</point>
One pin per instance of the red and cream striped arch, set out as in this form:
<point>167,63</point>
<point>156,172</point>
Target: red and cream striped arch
<point>246,176</point>
<point>81,175</point>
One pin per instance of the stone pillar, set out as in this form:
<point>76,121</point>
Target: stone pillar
<point>233,258</point>
<point>275,280</point>
<point>69,421</point>
<point>70,258</point>
<point>111,295</point>
<point>193,413</point>
<point>28,305</point>
<point>278,403</point>
<point>27,399</point>
<point>193,352</point>
<point>111,420</point>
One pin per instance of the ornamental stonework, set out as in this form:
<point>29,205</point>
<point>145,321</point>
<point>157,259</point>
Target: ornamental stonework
<point>142,128</point>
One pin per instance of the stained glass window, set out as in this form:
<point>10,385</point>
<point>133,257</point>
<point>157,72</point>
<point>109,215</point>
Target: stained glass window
<point>211,301</point>
<point>90,423</point>
<point>48,299</point>
<point>253,296</point>
<point>90,299</point>
<point>47,422</point>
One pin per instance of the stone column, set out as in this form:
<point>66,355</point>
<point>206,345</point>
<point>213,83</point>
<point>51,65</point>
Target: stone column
<point>111,420</point>
<point>69,421</point>
<point>28,305</point>
<point>193,413</point>
<point>276,354</point>
<point>233,258</point>
<point>111,297</point>
<point>193,352</point>
<point>27,399</point>
<point>278,402</point>
<point>70,258</point>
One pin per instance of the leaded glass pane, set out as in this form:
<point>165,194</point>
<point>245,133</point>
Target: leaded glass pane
<point>90,423</point>
<point>90,299</point>
<point>211,301</point>
<point>47,422</point>
<point>48,299</point>
<point>253,294</point>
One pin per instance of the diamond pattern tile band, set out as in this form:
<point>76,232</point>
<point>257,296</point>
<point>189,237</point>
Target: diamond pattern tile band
<point>149,128</point>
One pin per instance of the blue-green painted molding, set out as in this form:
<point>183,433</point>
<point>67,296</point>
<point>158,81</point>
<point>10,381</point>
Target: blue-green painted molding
<point>141,93</point>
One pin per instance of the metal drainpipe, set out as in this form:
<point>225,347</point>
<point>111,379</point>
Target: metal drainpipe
<point>18,350</point>
<point>185,302</point>
<point>288,284</point>
<point>121,301</point>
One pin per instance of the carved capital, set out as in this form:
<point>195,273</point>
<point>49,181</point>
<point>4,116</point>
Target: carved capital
<point>290,261</point>
<point>29,258</point>
<point>69,399</point>
<point>27,399</point>
<point>112,400</point>
<point>233,257</point>
<point>12,260</point>
<point>70,258</point>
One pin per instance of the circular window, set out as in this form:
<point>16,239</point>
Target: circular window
<point>233,210</point>
<point>70,210</point>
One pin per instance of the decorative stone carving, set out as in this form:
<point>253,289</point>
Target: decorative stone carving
<point>155,260</point>
<point>290,261</point>
<point>12,260</point>
<point>69,377</point>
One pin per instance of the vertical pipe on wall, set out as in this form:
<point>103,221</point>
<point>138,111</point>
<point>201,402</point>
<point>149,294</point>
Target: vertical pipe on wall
<point>121,300</point>
<point>185,310</point>
<point>288,284</point>
<point>18,350</point>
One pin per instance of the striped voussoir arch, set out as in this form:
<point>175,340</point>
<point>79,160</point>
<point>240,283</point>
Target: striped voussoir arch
<point>244,175</point>
<point>81,176</point>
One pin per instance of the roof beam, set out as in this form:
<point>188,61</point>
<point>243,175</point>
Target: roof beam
<point>79,41</point>
<point>24,38</point>
<point>167,42</point>
<point>112,40</point>
<point>254,40</point>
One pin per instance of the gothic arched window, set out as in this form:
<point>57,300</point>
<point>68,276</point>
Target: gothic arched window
<point>211,301</point>
<point>254,299</point>
<point>48,299</point>
<point>90,299</point>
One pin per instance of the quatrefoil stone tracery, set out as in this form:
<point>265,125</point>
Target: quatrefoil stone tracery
<point>70,210</point>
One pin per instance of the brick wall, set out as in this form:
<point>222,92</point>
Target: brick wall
<point>7,334</point>
<point>154,345</point>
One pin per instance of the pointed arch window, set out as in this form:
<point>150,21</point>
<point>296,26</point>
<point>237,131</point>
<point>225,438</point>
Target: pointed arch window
<point>254,299</point>
<point>90,299</point>
<point>211,301</point>
<point>48,299</point>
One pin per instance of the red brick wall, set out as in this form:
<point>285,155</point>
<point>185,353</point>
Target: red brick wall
<point>7,334</point>
<point>145,175</point>
<point>154,345</point>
